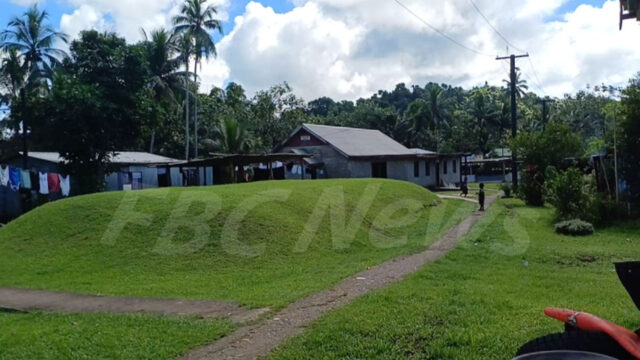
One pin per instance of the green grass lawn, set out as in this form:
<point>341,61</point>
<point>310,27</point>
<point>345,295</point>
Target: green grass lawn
<point>481,301</point>
<point>99,336</point>
<point>173,245</point>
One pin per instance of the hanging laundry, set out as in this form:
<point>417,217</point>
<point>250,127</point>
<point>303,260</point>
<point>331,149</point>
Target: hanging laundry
<point>65,185</point>
<point>25,178</point>
<point>44,183</point>
<point>14,179</point>
<point>54,183</point>
<point>4,176</point>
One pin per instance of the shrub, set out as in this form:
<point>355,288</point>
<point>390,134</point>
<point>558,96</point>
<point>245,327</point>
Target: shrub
<point>531,187</point>
<point>575,227</point>
<point>506,189</point>
<point>566,192</point>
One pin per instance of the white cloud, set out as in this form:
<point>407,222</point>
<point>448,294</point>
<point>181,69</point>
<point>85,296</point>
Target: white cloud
<point>351,48</point>
<point>27,2</point>
<point>83,18</point>
<point>127,17</point>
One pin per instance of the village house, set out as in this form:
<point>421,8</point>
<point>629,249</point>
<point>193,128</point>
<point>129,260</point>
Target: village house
<point>343,152</point>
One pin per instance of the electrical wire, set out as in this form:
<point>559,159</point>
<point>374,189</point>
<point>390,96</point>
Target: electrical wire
<point>536,83</point>
<point>535,74</point>
<point>439,31</point>
<point>494,28</point>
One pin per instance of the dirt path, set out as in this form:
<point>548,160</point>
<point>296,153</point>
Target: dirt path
<point>258,340</point>
<point>56,301</point>
<point>453,197</point>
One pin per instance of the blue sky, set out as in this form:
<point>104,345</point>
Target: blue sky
<point>349,49</point>
<point>58,7</point>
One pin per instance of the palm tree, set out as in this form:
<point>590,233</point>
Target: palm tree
<point>437,109</point>
<point>34,41</point>
<point>166,78</point>
<point>231,137</point>
<point>484,114</point>
<point>12,77</point>
<point>521,85</point>
<point>416,118</point>
<point>198,20</point>
<point>185,45</point>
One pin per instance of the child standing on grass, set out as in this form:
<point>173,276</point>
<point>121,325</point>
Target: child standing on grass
<point>481,197</point>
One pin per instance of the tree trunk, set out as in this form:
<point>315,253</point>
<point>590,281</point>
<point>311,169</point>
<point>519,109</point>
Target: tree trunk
<point>195,102</point>
<point>153,140</point>
<point>186,147</point>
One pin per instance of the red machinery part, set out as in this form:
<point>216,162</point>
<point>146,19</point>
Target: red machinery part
<point>585,321</point>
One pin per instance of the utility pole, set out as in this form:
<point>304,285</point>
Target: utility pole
<point>514,114</point>
<point>25,143</point>
<point>615,158</point>
<point>544,111</point>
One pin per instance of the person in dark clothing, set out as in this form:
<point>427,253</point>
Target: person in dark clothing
<point>464,188</point>
<point>481,197</point>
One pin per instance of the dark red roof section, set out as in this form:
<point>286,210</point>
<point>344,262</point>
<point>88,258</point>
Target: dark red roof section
<point>297,140</point>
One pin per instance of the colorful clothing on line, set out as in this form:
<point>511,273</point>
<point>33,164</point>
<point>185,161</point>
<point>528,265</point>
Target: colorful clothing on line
<point>65,185</point>
<point>54,182</point>
<point>44,183</point>
<point>25,178</point>
<point>4,176</point>
<point>14,179</point>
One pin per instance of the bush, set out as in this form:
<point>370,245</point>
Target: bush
<point>566,192</point>
<point>531,187</point>
<point>506,189</point>
<point>575,227</point>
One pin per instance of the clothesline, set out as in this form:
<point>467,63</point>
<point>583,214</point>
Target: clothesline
<point>44,183</point>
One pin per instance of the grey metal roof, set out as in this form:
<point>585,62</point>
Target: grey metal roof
<point>354,142</point>
<point>122,157</point>
<point>422,151</point>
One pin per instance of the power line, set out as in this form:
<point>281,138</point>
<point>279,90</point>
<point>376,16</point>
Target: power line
<point>493,27</point>
<point>536,83</point>
<point>535,74</point>
<point>439,31</point>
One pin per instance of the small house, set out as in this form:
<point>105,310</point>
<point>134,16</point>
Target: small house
<point>344,152</point>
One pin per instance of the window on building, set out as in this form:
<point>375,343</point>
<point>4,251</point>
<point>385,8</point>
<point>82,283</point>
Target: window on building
<point>427,168</point>
<point>455,166</point>
<point>305,138</point>
<point>416,169</point>
<point>445,165</point>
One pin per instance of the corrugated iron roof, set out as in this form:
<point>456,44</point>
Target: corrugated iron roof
<point>122,157</point>
<point>354,142</point>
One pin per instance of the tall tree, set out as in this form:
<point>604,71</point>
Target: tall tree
<point>185,45</point>
<point>13,74</point>
<point>521,85</point>
<point>35,42</point>
<point>197,19</point>
<point>99,105</point>
<point>165,77</point>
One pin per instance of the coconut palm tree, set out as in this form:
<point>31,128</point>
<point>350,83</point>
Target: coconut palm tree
<point>198,20</point>
<point>185,44</point>
<point>231,137</point>
<point>166,78</point>
<point>12,77</point>
<point>35,43</point>
<point>521,85</point>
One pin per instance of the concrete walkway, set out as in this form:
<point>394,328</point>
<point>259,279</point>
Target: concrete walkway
<point>253,341</point>
<point>57,301</point>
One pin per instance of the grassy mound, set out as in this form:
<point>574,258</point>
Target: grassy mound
<point>485,299</point>
<point>260,244</point>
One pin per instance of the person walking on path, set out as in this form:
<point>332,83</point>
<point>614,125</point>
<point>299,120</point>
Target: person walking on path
<point>481,197</point>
